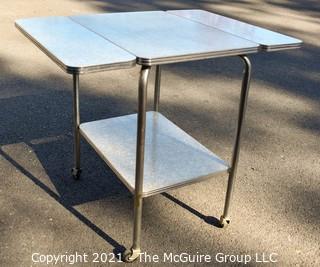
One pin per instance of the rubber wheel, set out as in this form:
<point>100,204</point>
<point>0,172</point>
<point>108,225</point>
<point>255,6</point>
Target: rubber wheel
<point>75,173</point>
<point>224,223</point>
<point>126,256</point>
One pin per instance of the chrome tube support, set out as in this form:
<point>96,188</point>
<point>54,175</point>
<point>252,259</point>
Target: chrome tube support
<point>141,128</point>
<point>76,171</point>
<point>224,219</point>
<point>157,88</point>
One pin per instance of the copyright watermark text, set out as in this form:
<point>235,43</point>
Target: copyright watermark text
<point>144,257</point>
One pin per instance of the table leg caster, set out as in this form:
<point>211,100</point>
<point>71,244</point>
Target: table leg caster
<point>224,222</point>
<point>75,173</point>
<point>131,255</point>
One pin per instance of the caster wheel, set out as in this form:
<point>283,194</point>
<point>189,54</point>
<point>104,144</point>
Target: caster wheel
<point>224,222</point>
<point>75,173</point>
<point>130,256</point>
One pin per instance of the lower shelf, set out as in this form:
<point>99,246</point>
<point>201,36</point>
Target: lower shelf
<point>172,157</point>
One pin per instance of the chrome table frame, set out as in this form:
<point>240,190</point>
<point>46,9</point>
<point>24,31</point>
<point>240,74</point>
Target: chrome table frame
<point>141,129</point>
<point>202,20</point>
<point>224,220</point>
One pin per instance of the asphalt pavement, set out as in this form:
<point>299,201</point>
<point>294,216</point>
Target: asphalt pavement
<point>276,205</point>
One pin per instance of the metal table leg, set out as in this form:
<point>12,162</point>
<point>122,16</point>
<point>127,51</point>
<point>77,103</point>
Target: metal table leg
<point>225,220</point>
<point>134,252</point>
<point>76,171</point>
<point>157,88</point>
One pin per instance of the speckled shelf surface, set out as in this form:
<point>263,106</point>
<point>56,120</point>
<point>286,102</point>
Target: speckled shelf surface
<point>172,157</point>
<point>98,42</point>
<point>268,40</point>
<point>73,47</point>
